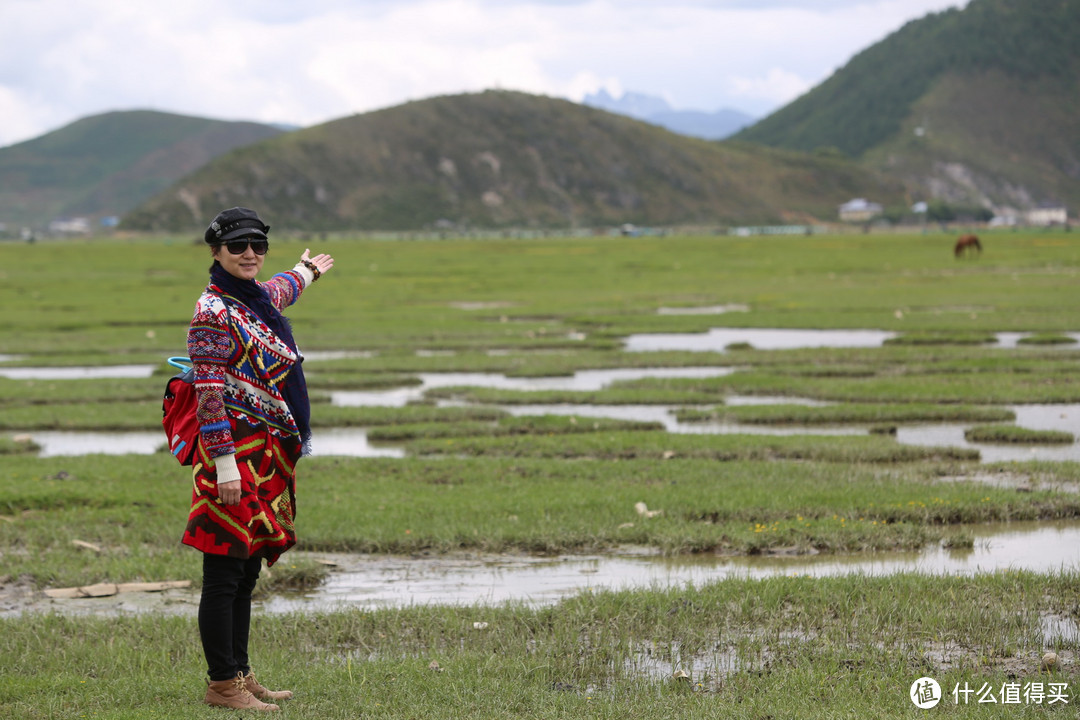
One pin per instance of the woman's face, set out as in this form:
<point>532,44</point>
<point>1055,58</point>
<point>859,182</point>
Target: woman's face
<point>245,266</point>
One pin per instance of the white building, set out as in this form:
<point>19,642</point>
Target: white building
<point>1045,214</point>
<point>70,226</point>
<point>859,210</point>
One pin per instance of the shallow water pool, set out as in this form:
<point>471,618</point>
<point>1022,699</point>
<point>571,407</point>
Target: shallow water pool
<point>379,581</point>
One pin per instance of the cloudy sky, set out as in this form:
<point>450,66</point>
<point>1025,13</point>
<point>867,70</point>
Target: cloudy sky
<point>303,63</point>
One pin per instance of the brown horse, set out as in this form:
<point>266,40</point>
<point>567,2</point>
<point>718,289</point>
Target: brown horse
<point>968,243</point>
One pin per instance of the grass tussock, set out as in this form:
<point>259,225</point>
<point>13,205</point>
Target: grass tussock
<point>511,426</point>
<point>1047,339</point>
<point>1011,434</point>
<point>943,338</point>
<point>415,414</point>
<point>13,444</point>
<point>290,574</point>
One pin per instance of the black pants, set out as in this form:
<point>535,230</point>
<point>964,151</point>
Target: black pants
<point>225,613</point>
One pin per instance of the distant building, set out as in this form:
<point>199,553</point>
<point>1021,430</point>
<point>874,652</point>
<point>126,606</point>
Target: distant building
<point>70,226</point>
<point>1045,214</point>
<point>859,210</point>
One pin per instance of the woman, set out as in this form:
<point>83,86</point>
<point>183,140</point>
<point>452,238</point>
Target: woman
<point>254,426</point>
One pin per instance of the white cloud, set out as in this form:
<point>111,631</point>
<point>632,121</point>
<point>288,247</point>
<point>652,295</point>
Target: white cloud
<point>776,87</point>
<point>278,61</point>
<point>425,49</point>
<point>22,118</point>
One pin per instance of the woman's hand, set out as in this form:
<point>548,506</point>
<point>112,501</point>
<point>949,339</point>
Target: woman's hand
<point>228,479</point>
<point>322,261</point>
<point>229,492</point>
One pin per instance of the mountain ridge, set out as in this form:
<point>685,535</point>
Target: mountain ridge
<point>108,163</point>
<point>507,159</point>
<point>980,106</point>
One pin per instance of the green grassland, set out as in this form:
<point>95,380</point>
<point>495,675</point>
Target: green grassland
<point>117,299</point>
<point>782,647</point>
<point>133,507</point>
<point>476,479</point>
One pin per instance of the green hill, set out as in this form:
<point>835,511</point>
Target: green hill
<point>979,105</point>
<point>107,164</point>
<point>506,159</point>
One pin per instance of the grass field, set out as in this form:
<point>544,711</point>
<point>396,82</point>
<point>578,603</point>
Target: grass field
<point>476,479</point>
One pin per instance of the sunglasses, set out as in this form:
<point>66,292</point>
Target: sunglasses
<point>239,247</point>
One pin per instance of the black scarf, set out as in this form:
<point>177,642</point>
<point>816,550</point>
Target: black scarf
<point>256,299</point>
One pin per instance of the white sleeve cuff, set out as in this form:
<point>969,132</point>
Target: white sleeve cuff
<point>302,270</point>
<point>226,468</point>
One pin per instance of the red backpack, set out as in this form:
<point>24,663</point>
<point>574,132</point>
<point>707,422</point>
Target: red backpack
<point>179,409</point>
<point>178,412</point>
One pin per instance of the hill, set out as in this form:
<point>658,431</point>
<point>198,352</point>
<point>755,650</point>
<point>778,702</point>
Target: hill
<point>107,164</point>
<point>505,159</point>
<point>979,105</point>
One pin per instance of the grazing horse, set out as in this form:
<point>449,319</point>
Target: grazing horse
<point>967,243</point>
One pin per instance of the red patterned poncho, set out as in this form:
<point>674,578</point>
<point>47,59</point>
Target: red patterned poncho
<point>239,366</point>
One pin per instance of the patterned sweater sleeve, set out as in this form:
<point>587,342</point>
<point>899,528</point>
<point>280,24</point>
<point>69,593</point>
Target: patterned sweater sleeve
<point>209,347</point>
<point>285,287</point>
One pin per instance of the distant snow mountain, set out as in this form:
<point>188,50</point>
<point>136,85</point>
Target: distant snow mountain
<point>696,123</point>
<point>636,105</point>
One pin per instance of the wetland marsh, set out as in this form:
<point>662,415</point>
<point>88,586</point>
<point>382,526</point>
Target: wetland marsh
<point>489,412</point>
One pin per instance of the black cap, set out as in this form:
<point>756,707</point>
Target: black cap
<point>235,223</point>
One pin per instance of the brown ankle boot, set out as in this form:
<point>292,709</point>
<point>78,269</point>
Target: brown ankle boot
<point>234,694</point>
<point>262,693</point>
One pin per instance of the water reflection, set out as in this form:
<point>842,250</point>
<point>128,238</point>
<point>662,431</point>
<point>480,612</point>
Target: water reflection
<point>77,373</point>
<point>1065,418</point>
<point>703,310</point>
<point>665,414</point>
<point>773,400</point>
<point>1012,340</point>
<point>352,442</point>
<point>380,581</point>
<point>1035,417</point>
<point>717,339</point>
<point>56,443</point>
<point>582,381</point>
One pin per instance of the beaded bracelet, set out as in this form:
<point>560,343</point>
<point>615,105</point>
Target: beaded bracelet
<point>313,268</point>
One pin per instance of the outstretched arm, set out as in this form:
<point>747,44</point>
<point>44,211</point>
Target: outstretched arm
<point>285,288</point>
<point>322,261</point>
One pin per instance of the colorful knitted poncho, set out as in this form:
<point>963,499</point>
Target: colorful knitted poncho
<point>240,368</point>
